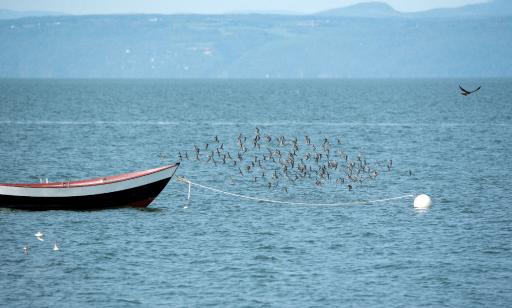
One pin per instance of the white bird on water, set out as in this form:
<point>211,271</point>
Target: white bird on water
<point>55,247</point>
<point>39,236</point>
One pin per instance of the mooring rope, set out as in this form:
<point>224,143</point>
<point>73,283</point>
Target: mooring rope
<point>190,184</point>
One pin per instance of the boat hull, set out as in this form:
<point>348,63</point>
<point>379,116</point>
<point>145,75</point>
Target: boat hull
<point>129,190</point>
<point>135,197</point>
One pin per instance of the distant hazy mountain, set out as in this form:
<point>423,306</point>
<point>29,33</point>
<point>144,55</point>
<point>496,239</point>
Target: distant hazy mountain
<point>368,9</point>
<point>492,8</point>
<point>9,14</point>
<point>379,9</point>
<point>257,46</point>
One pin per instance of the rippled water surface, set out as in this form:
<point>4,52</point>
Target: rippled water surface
<point>217,250</point>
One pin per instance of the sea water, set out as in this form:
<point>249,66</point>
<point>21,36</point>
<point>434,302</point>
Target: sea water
<point>219,250</point>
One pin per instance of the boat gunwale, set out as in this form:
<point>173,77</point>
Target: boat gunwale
<point>95,181</point>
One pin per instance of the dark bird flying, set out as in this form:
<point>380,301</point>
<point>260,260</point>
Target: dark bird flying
<point>466,92</point>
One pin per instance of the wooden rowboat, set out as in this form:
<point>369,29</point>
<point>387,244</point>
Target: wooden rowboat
<point>135,189</point>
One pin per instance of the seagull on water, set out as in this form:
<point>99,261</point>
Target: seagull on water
<point>39,235</point>
<point>55,247</point>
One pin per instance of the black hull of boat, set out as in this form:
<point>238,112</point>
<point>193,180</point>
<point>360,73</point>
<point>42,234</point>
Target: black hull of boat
<point>140,196</point>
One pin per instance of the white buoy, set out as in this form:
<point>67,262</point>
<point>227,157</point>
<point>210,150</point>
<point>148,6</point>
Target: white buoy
<point>422,202</point>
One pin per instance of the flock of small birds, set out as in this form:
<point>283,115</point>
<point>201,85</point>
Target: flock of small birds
<point>281,161</point>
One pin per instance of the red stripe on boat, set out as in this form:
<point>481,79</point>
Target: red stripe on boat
<point>94,182</point>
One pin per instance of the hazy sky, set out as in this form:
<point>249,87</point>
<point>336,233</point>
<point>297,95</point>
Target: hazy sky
<point>209,6</point>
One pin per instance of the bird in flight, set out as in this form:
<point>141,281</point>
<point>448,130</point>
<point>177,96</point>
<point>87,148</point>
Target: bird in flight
<point>466,92</point>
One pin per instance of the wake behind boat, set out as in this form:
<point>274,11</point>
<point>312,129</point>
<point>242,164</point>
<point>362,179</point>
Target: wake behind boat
<point>135,189</point>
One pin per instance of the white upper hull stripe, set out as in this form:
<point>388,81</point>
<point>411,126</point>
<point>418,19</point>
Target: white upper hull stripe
<point>87,190</point>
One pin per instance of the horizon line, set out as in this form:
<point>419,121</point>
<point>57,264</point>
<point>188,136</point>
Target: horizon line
<point>243,12</point>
